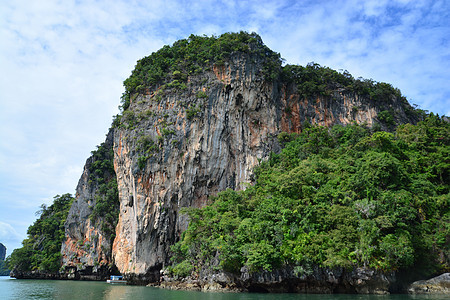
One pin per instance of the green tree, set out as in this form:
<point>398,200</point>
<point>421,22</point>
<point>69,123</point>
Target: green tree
<point>41,249</point>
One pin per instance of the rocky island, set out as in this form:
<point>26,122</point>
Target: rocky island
<point>3,268</point>
<point>228,171</point>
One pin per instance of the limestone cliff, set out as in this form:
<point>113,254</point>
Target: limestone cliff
<point>86,251</point>
<point>193,156</point>
<point>186,138</point>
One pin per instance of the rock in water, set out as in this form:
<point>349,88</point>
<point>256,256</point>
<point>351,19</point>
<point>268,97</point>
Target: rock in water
<point>436,285</point>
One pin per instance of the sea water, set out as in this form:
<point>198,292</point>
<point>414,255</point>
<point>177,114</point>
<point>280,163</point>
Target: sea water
<point>64,289</point>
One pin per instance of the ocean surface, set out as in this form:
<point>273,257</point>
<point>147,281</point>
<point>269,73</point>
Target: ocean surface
<point>60,289</point>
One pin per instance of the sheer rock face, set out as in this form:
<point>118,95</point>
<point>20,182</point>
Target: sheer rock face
<point>207,152</point>
<point>86,252</point>
<point>177,146</point>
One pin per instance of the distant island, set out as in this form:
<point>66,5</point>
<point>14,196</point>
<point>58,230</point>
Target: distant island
<point>4,271</point>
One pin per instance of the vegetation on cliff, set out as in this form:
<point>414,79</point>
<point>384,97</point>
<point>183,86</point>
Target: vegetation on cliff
<point>172,66</point>
<point>186,57</point>
<point>339,197</point>
<point>41,250</point>
<point>314,79</point>
<point>105,212</point>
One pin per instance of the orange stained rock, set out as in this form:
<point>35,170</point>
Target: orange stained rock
<point>304,102</point>
<point>119,148</point>
<point>253,129</point>
<point>221,74</point>
<point>145,183</point>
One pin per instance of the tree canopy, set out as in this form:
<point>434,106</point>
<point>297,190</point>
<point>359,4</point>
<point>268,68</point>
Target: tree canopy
<point>41,250</point>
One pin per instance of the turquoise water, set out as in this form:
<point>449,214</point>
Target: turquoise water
<point>61,289</point>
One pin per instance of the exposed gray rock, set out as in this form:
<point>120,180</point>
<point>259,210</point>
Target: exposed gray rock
<point>436,285</point>
<point>318,280</point>
<point>86,251</point>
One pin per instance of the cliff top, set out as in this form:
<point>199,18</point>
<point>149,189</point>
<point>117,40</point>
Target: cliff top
<point>194,55</point>
<point>173,65</point>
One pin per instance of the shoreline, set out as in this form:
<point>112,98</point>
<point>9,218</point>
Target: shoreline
<point>367,283</point>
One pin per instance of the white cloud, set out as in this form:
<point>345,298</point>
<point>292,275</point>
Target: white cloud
<point>9,237</point>
<point>7,232</point>
<point>374,7</point>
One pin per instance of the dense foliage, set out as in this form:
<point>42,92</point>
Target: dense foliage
<point>173,64</point>
<point>41,250</point>
<point>314,79</point>
<point>318,80</point>
<point>339,197</point>
<point>103,177</point>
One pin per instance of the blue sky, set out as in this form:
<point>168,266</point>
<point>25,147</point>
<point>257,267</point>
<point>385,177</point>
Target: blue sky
<point>63,64</point>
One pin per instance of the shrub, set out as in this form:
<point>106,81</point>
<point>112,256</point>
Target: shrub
<point>183,269</point>
<point>192,112</point>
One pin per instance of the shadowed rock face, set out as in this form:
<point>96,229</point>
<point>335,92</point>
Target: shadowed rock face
<point>285,280</point>
<point>2,251</point>
<point>177,147</point>
<point>86,252</point>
